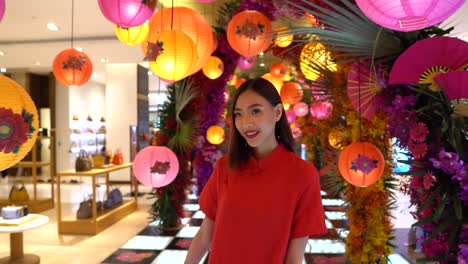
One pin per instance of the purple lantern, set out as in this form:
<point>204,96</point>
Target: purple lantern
<point>321,110</point>
<point>301,109</point>
<point>155,166</point>
<point>2,9</point>
<point>246,63</point>
<point>291,116</point>
<point>408,15</point>
<point>125,13</point>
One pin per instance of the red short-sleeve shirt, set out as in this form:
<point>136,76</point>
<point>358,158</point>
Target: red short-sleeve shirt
<point>259,209</point>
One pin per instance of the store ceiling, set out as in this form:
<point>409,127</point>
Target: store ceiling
<point>28,44</point>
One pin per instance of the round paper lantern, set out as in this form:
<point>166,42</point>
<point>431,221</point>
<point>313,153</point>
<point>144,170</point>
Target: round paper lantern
<point>291,115</point>
<point>2,9</point>
<point>246,63</point>
<point>18,123</point>
<point>72,67</point>
<point>312,55</point>
<point>226,97</point>
<point>408,15</point>
<point>338,137</point>
<point>301,109</point>
<point>278,70</point>
<point>291,93</point>
<point>361,164</point>
<point>213,68</point>
<point>311,18</point>
<point>249,33</point>
<point>321,110</point>
<point>172,54</point>
<point>239,82</point>
<point>125,13</point>
<point>278,83</point>
<point>133,35</point>
<point>215,135</point>
<point>155,166</point>
<point>191,23</point>
<point>283,37</point>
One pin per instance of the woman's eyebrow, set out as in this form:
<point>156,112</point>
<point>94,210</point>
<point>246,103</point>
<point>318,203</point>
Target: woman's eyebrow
<point>250,106</point>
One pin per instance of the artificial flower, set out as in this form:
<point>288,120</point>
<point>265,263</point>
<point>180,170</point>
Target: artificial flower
<point>428,180</point>
<point>364,163</point>
<point>418,150</point>
<point>419,132</point>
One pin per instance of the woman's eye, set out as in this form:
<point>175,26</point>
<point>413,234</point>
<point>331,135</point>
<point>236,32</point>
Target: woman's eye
<point>255,111</point>
<point>236,115</point>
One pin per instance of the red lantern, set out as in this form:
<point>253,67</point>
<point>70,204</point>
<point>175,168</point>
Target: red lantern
<point>278,70</point>
<point>291,93</point>
<point>321,110</point>
<point>361,164</point>
<point>155,166</point>
<point>72,67</point>
<point>249,33</point>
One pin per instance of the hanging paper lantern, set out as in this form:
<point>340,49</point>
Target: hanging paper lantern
<point>213,68</point>
<point>321,110</point>
<point>295,130</point>
<point>239,82</point>
<point>155,166</point>
<point>132,36</point>
<point>291,115</point>
<point>249,33</point>
<point>311,19</point>
<point>72,67</point>
<point>215,135</point>
<point>301,109</point>
<point>361,164</point>
<point>246,63</point>
<point>338,137</point>
<point>2,9</point>
<point>278,83</point>
<point>313,55</point>
<point>226,97</point>
<point>191,23</point>
<point>172,55</point>
<point>18,123</point>
<point>283,37</point>
<point>125,13</point>
<point>291,93</point>
<point>408,15</point>
<point>215,42</point>
<point>278,70</point>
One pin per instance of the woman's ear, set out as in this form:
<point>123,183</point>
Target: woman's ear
<point>278,112</point>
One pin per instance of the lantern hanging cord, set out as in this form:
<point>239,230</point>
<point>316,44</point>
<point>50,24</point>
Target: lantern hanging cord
<point>359,97</point>
<point>72,21</point>
<point>172,14</point>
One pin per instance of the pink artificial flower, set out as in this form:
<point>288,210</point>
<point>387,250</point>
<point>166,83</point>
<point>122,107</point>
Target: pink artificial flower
<point>428,180</point>
<point>419,150</point>
<point>364,164</point>
<point>419,132</point>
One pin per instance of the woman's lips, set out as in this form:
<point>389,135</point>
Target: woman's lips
<point>251,133</point>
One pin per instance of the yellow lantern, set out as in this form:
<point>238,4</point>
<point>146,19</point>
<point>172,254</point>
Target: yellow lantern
<point>132,36</point>
<point>213,68</point>
<point>283,39</point>
<point>339,137</point>
<point>215,135</point>
<point>313,55</point>
<point>278,83</point>
<point>18,123</point>
<point>172,54</point>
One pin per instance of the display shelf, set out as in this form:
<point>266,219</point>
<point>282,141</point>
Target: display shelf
<point>87,135</point>
<point>101,219</point>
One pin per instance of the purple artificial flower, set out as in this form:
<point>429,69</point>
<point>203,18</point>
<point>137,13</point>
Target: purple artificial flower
<point>399,102</point>
<point>449,162</point>
<point>364,164</point>
<point>463,254</point>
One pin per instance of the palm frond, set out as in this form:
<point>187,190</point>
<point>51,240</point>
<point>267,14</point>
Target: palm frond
<point>183,95</point>
<point>184,137</point>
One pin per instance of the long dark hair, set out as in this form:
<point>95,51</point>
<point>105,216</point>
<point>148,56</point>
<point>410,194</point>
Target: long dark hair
<point>239,151</point>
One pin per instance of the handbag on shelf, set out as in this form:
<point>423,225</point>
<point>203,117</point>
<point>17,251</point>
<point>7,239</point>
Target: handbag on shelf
<point>18,192</point>
<point>118,157</point>
<point>85,210</point>
<point>83,162</point>
<point>115,198</point>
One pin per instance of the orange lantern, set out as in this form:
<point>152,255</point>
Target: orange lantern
<point>361,164</point>
<point>133,35</point>
<point>278,70</point>
<point>213,68</point>
<point>191,23</point>
<point>278,83</point>
<point>283,39</point>
<point>239,82</point>
<point>291,93</point>
<point>172,55</point>
<point>72,67</point>
<point>249,33</point>
<point>215,135</point>
<point>313,56</point>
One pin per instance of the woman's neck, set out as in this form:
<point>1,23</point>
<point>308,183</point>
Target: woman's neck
<point>261,152</point>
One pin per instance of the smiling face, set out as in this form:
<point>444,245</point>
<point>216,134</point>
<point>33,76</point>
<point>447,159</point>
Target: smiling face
<point>255,119</point>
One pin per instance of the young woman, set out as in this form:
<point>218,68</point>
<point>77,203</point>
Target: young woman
<point>262,201</point>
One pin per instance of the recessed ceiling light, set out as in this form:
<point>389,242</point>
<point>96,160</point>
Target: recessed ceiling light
<point>104,60</point>
<point>52,26</point>
<point>2,53</point>
<point>79,49</point>
<point>37,63</point>
<point>2,69</point>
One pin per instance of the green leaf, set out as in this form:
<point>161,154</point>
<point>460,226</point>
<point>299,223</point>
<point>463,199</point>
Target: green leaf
<point>429,199</point>
<point>418,172</point>
<point>440,208</point>
<point>441,227</point>
<point>457,206</point>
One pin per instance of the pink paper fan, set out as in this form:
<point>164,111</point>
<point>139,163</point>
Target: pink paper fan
<point>454,83</point>
<point>364,88</point>
<point>427,58</point>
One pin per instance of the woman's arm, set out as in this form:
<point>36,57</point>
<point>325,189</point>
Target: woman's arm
<point>201,243</point>
<point>296,250</point>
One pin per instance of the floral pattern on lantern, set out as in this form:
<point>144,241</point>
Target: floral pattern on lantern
<point>291,93</point>
<point>155,166</point>
<point>213,68</point>
<point>321,110</point>
<point>408,15</point>
<point>132,36</point>
<point>301,109</point>
<point>215,135</point>
<point>125,13</point>
<point>72,67</point>
<point>18,123</point>
<point>249,33</point>
<point>361,164</point>
<point>246,63</point>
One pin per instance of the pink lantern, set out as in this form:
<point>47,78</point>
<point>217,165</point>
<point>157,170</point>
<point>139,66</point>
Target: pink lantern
<point>301,109</point>
<point>321,110</point>
<point>226,97</point>
<point>125,13</point>
<point>2,9</point>
<point>291,116</point>
<point>408,15</point>
<point>246,63</point>
<point>155,166</point>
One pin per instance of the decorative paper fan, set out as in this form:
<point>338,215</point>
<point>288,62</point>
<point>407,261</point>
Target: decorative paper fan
<point>454,83</point>
<point>428,58</point>
<point>364,87</point>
